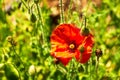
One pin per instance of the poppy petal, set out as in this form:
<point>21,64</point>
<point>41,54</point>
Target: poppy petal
<point>64,61</point>
<point>88,41</point>
<point>85,56</point>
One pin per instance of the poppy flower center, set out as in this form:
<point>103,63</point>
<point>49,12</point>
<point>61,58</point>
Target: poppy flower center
<point>71,46</point>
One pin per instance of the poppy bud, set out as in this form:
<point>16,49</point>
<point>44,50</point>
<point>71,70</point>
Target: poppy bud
<point>98,52</point>
<point>81,49</point>
<point>10,72</point>
<point>33,18</point>
<point>9,39</point>
<point>12,42</point>
<point>32,70</point>
<point>85,31</point>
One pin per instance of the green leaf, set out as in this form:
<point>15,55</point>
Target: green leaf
<point>11,72</point>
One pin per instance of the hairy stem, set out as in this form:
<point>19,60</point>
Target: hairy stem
<point>61,11</point>
<point>97,65</point>
<point>24,4</point>
<point>41,21</point>
<point>18,57</point>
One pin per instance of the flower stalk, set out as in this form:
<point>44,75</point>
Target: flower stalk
<point>25,4</point>
<point>18,57</point>
<point>61,11</point>
<point>13,43</point>
<point>41,22</point>
<point>98,55</point>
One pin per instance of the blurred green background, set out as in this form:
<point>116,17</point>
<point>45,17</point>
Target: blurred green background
<point>29,23</point>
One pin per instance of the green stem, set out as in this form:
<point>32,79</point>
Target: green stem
<point>86,67</point>
<point>39,13</point>
<point>24,4</point>
<point>97,65</point>
<point>85,22</point>
<point>18,57</point>
<point>61,11</point>
<point>41,22</point>
<point>90,69</point>
<point>86,10</point>
<point>73,68</point>
<point>69,9</point>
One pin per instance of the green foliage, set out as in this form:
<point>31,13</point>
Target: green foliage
<point>31,35</point>
<point>10,72</point>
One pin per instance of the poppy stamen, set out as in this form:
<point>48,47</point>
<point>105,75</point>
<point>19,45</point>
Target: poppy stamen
<point>71,46</point>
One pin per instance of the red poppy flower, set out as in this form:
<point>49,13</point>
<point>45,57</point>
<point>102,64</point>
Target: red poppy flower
<point>67,42</point>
